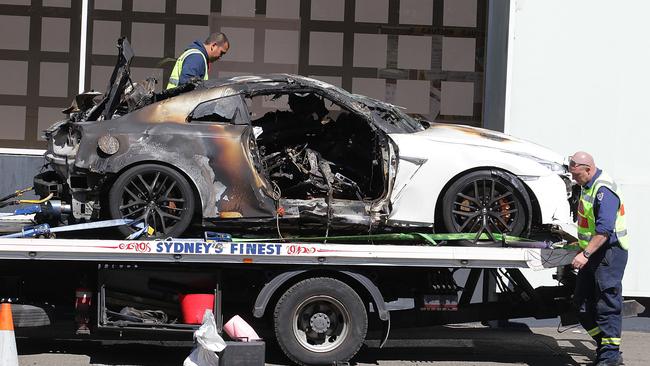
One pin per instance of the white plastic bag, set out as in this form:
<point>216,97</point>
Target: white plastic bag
<point>208,342</point>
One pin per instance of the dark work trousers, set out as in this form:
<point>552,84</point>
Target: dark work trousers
<point>599,299</point>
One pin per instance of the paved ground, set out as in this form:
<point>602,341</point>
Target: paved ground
<point>451,345</point>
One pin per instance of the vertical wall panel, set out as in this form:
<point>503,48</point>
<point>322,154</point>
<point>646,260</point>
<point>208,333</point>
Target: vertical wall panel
<point>39,48</point>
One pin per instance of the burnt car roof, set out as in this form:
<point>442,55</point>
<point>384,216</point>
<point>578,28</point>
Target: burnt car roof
<point>251,82</point>
<point>266,78</point>
<point>246,81</point>
<point>361,103</point>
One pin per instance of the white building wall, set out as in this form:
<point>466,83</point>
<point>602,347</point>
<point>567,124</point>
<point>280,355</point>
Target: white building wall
<point>578,78</point>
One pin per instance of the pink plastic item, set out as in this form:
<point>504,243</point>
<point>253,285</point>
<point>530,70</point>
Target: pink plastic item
<point>238,329</point>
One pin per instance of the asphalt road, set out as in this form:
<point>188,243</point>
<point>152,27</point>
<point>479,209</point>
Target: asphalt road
<point>470,344</point>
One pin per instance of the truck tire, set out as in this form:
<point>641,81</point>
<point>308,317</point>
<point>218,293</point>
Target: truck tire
<point>319,321</point>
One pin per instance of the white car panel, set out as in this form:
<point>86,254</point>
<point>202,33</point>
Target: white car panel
<point>554,209</point>
<point>449,151</point>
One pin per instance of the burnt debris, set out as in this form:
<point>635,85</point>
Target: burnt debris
<point>310,151</point>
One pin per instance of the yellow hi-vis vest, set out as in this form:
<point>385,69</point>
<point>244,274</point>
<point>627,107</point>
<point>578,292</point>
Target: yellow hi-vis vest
<point>178,67</point>
<point>586,218</point>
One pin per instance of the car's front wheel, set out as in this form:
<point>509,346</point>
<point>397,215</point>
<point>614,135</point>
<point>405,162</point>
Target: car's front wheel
<point>157,195</point>
<point>486,202</point>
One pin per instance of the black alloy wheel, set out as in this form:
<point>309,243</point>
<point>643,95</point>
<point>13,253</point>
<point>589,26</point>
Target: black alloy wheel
<point>155,194</point>
<point>485,203</point>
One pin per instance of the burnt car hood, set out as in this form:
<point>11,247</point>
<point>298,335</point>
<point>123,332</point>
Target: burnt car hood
<point>466,135</point>
<point>117,84</point>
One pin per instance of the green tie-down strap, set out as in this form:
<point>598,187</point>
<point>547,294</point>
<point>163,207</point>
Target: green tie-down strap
<point>430,239</point>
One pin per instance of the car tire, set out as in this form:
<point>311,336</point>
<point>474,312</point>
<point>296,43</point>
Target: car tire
<point>486,200</point>
<point>158,194</point>
<point>319,321</point>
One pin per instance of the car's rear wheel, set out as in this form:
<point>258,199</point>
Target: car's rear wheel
<point>157,195</point>
<point>483,202</point>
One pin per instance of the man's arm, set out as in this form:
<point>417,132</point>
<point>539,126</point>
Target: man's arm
<point>606,207</point>
<point>596,241</point>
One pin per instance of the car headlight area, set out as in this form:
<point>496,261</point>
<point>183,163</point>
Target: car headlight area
<point>551,193</point>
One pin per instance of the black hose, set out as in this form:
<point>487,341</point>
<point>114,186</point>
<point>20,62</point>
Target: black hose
<point>8,203</point>
<point>15,194</point>
<point>9,196</point>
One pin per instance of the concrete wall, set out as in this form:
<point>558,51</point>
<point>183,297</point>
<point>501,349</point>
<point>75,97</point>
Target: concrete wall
<point>578,80</point>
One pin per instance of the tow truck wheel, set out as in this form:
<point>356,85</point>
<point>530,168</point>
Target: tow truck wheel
<point>488,203</point>
<point>319,321</point>
<point>158,195</point>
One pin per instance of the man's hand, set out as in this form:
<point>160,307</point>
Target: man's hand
<point>595,242</point>
<point>579,261</point>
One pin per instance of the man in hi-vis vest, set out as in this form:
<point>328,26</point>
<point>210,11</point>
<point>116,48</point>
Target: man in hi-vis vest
<point>195,60</point>
<point>603,238</point>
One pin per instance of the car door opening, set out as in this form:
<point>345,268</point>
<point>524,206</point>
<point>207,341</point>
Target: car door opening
<point>312,151</point>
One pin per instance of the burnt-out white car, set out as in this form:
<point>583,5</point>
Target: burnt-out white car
<point>258,154</point>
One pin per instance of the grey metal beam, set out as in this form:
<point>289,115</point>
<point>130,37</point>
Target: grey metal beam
<point>496,58</point>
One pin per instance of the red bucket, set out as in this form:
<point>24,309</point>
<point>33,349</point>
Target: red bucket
<point>193,306</point>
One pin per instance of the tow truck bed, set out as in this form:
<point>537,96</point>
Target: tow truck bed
<point>299,253</point>
<point>357,286</point>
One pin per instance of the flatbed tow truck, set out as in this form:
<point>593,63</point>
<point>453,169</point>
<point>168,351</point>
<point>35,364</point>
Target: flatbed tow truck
<point>319,300</point>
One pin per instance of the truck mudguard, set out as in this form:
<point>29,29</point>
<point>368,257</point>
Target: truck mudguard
<point>269,289</point>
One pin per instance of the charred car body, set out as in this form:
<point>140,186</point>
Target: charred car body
<point>290,152</point>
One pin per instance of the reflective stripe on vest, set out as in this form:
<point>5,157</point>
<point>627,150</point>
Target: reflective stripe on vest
<point>178,67</point>
<point>586,217</point>
<point>587,236</point>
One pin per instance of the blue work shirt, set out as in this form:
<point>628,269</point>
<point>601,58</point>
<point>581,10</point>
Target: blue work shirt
<point>193,65</point>
<point>606,206</point>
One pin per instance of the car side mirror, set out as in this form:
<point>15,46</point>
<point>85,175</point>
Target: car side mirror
<point>425,124</point>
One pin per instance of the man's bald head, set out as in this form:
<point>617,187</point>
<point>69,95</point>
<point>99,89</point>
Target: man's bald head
<point>582,157</point>
<point>582,167</point>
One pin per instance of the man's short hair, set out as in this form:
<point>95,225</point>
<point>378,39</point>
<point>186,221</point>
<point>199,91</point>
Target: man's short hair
<point>218,38</point>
